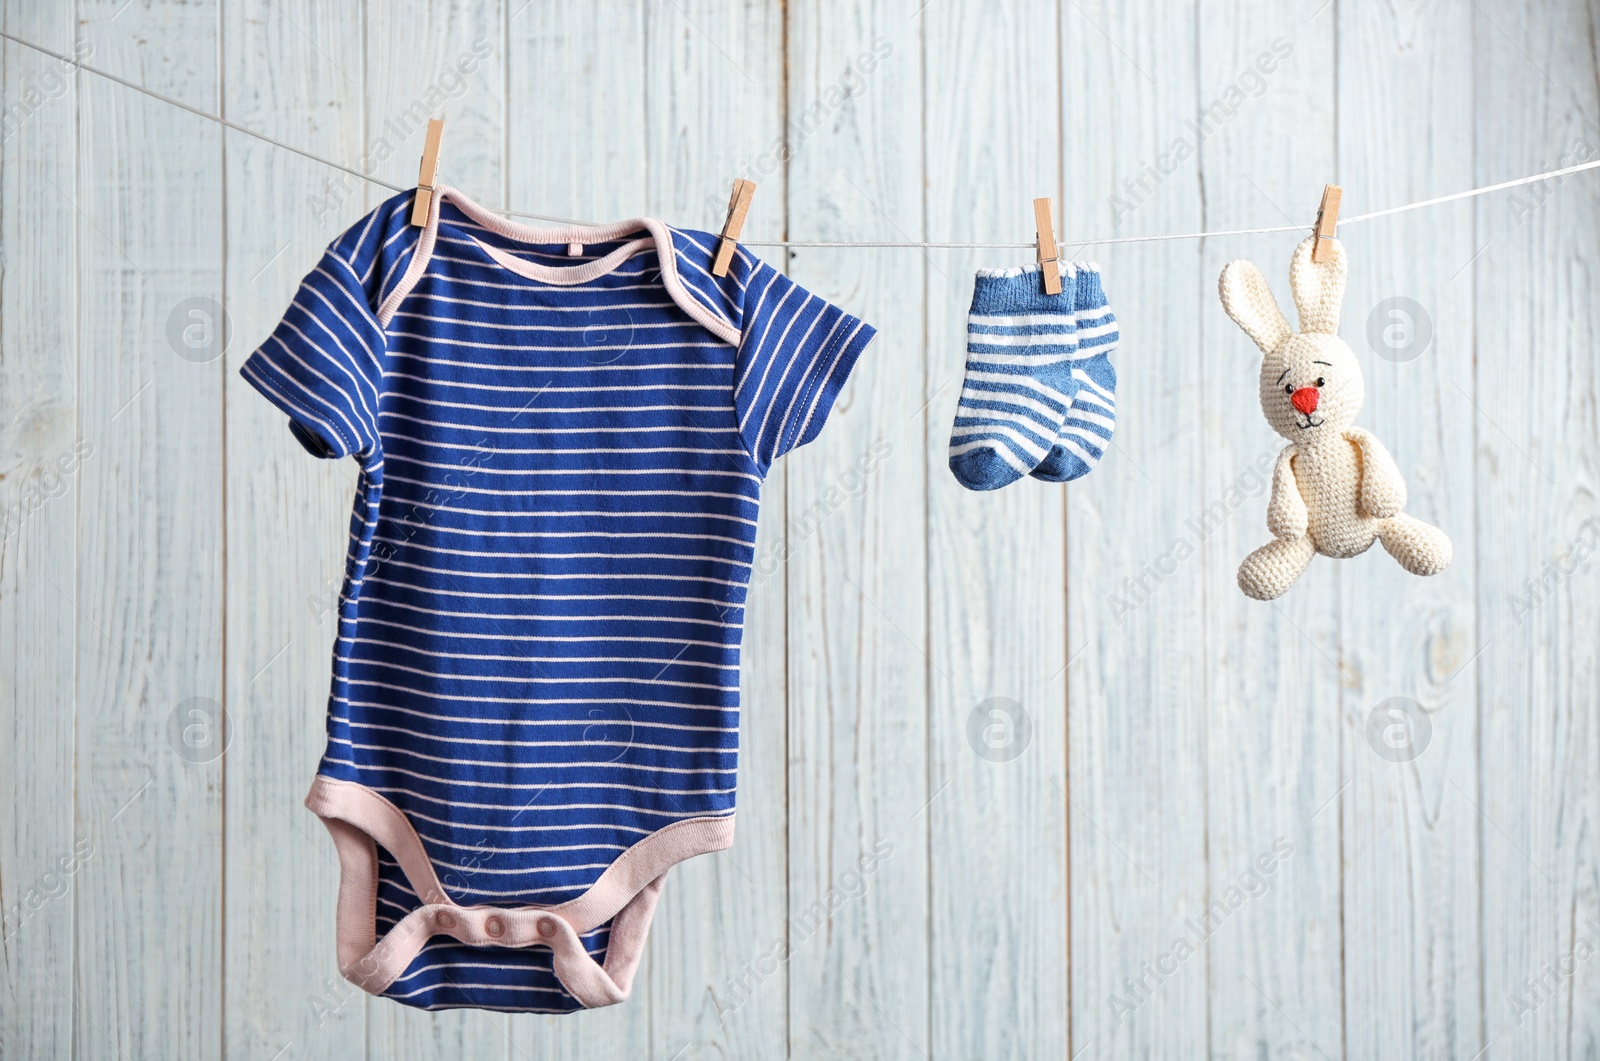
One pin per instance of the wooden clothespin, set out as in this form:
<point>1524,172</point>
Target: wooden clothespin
<point>1327,221</point>
<point>1049,257</point>
<point>738,206</point>
<point>425,174</point>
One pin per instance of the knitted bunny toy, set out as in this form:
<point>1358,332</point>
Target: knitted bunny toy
<point>1335,489</point>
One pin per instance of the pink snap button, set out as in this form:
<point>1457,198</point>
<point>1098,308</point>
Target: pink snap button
<point>547,927</point>
<point>495,927</point>
<point>444,920</point>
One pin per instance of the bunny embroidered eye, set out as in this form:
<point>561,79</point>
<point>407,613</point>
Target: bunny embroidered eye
<point>1321,382</point>
<point>1289,389</point>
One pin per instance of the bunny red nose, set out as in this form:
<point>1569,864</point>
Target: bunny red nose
<point>1305,399</point>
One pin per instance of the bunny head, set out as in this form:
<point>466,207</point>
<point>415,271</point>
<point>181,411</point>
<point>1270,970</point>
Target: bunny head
<point>1311,386</point>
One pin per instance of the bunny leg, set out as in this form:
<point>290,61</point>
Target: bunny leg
<point>1421,548</point>
<point>1270,570</point>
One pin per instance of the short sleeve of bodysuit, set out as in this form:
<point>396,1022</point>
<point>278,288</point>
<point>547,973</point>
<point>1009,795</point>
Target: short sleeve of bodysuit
<point>323,364</point>
<point>795,353</point>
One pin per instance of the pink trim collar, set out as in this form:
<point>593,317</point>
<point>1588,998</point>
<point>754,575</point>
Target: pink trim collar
<point>566,275</point>
<point>657,234</point>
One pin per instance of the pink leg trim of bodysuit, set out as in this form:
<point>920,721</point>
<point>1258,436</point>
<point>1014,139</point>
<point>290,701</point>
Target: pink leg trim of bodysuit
<point>626,894</point>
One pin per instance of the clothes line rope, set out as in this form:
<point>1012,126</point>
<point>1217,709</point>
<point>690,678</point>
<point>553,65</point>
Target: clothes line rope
<point>1438,200</point>
<point>1356,219</point>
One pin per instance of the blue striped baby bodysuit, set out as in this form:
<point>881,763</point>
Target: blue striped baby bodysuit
<point>562,435</point>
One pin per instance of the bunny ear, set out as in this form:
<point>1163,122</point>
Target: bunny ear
<point>1248,300</point>
<point>1318,286</point>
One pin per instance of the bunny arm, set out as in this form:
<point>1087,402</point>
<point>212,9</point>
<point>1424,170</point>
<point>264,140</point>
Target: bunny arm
<point>1383,491</point>
<point>1287,517</point>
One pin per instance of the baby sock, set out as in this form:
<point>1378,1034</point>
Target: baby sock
<point>1019,383</point>
<point>1086,429</point>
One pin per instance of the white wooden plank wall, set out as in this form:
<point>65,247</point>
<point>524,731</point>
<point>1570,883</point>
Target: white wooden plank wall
<point>1188,838</point>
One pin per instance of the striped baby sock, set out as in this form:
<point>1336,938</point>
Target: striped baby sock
<point>1019,383</point>
<point>1086,430</point>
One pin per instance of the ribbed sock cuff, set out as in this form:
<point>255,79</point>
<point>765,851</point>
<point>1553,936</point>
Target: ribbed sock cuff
<point>1021,290</point>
